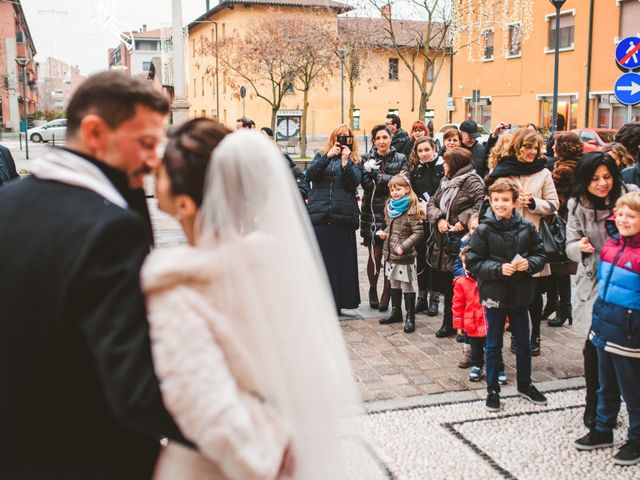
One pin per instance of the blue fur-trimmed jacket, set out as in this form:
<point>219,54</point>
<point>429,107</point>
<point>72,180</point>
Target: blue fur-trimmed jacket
<point>616,314</point>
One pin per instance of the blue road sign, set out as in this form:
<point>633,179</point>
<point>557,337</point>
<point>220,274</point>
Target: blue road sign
<point>627,88</point>
<point>628,53</point>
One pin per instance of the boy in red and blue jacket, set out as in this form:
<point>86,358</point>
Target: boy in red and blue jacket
<point>615,331</point>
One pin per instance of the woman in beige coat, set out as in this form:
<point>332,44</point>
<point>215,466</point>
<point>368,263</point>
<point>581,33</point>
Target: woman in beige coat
<point>526,165</point>
<point>244,334</point>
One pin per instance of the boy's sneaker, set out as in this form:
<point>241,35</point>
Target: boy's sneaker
<point>475,374</point>
<point>502,377</point>
<point>493,402</point>
<point>595,439</point>
<point>629,454</point>
<point>532,394</point>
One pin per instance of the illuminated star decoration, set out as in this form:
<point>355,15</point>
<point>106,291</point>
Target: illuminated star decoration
<point>106,19</point>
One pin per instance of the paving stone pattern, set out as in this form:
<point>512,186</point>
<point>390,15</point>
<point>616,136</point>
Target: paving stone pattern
<point>390,364</point>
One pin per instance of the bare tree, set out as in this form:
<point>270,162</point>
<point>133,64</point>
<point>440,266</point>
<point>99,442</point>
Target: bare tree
<point>313,60</point>
<point>445,26</point>
<point>261,57</point>
<point>357,41</point>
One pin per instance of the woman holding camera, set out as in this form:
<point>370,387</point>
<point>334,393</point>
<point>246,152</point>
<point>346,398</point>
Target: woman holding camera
<point>335,175</point>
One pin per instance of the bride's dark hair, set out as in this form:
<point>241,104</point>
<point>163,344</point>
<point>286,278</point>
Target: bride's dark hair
<point>187,155</point>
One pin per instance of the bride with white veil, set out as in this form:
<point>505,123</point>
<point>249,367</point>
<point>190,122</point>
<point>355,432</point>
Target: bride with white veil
<point>245,337</point>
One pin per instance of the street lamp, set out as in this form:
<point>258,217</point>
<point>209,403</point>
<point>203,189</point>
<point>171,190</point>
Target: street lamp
<point>22,62</point>
<point>554,113</point>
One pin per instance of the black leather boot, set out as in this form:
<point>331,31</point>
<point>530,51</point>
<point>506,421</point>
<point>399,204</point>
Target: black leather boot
<point>395,315</point>
<point>410,307</point>
<point>562,315</point>
<point>422,303</point>
<point>384,298</point>
<point>434,302</point>
<point>373,297</point>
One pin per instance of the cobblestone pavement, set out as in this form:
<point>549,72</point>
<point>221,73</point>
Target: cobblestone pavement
<point>390,364</point>
<point>427,421</point>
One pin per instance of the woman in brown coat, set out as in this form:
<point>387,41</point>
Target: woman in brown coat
<point>459,195</point>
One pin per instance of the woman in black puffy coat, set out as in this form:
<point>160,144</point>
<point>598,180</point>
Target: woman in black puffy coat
<point>427,170</point>
<point>335,175</point>
<point>378,167</point>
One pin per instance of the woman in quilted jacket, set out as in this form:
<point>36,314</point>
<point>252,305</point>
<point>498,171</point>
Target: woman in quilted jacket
<point>403,233</point>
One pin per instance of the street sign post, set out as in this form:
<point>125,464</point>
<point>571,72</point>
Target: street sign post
<point>627,89</point>
<point>628,53</point>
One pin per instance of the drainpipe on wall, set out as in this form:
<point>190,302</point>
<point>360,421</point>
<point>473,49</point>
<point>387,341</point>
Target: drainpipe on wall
<point>450,113</point>
<point>590,40</point>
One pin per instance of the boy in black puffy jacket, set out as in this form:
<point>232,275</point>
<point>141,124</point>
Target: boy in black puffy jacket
<point>504,252</point>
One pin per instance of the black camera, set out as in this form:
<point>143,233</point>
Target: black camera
<point>345,140</point>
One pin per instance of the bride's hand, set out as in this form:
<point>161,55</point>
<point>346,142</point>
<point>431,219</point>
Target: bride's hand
<point>287,467</point>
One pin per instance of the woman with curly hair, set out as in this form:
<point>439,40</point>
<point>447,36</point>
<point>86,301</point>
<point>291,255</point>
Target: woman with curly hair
<point>567,149</point>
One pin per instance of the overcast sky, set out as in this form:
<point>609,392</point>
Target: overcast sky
<point>79,32</point>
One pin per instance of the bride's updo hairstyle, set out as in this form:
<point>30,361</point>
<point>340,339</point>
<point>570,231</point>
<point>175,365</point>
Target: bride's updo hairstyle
<point>187,155</point>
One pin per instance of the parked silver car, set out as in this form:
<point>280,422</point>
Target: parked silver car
<point>45,133</point>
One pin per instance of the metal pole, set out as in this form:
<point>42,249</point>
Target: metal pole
<point>589,48</point>
<point>554,112</point>
<point>342,87</point>
<point>24,106</point>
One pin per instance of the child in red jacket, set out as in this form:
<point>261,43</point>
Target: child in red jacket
<point>468,315</point>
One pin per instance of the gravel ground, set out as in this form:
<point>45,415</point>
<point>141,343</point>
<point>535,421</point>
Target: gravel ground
<point>461,440</point>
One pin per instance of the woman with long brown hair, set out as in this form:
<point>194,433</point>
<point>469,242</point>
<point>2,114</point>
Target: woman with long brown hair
<point>335,175</point>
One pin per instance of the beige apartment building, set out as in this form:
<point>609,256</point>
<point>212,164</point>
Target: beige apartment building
<point>385,86</point>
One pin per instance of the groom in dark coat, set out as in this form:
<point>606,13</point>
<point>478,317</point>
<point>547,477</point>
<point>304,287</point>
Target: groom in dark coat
<point>80,398</point>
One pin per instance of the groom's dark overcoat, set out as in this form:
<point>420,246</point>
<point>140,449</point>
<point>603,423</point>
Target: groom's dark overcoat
<point>79,397</point>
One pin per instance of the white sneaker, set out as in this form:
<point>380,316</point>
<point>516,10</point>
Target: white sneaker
<point>475,374</point>
<point>502,377</point>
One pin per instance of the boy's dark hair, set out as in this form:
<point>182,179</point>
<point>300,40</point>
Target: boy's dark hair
<point>456,159</point>
<point>246,122</point>
<point>504,184</point>
<point>585,171</point>
<point>188,153</point>
<point>395,119</point>
<point>113,96</point>
<point>629,136</point>
<point>377,128</point>
<point>268,131</point>
<point>474,216</point>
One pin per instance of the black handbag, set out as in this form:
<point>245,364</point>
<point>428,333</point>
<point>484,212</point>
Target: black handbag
<point>553,232</point>
<point>452,240</point>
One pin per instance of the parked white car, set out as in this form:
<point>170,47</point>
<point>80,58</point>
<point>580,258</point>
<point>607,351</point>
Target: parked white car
<point>46,133</point>
<point>440,133</point>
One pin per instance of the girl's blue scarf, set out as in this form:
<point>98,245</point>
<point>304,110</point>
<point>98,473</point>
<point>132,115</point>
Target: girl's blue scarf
<point>395,208</point>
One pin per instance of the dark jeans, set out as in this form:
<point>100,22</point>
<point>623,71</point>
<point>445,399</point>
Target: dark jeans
<point>590,354</point>
<point>477,352</point>
<point>535,309</point>
<point>618,375</point>
<point>519,318</point>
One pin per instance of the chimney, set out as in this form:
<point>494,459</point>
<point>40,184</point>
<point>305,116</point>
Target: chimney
<point>207,4</point>
<point>386,10</point>
<point>144,27</point>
